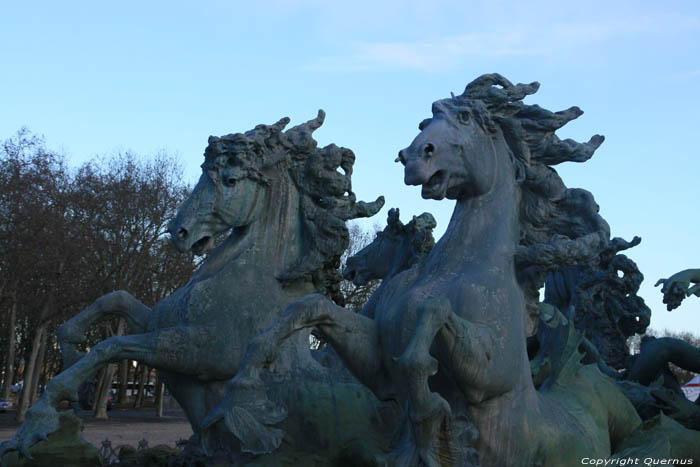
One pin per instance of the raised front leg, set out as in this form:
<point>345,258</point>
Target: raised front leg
<point>434,435</point>
<point>428,414</point>
<point>246,410</point>
<point>167,349</point>
<point>120,303</point>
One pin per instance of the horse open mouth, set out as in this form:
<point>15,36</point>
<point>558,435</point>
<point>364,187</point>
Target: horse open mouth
<point>202,245</point>
<point>436,186</point>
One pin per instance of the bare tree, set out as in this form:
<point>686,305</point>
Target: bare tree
<point>34,190</point>
<point>129,249</point>
<point>68,237</point>
<point>10,342</point>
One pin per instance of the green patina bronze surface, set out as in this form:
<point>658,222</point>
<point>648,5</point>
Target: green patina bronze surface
<point>453,361</point>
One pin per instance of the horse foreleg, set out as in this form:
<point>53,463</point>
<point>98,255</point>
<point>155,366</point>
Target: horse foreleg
<point>119,303</point>
<point>465,351</point>
<point>354,337</point>
<point>477,356</point>
<point>246,410</point>
<point>428,413</point>
<point>167,349</point>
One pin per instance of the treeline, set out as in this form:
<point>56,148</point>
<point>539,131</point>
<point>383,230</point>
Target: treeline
<point>71,235</point>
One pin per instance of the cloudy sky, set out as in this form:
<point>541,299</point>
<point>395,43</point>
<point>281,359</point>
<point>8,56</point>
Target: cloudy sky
<point>95,78</point>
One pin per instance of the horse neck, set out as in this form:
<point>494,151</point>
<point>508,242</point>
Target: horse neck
<point>271,243</point>
<point>481,239</point>
<point>484,230</point>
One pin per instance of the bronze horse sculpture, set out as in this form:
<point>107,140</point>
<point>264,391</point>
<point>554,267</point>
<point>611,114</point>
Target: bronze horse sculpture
<point>396,248</point>
<point>443,340</point>
<point>446,338</point>
<point>286,202</point>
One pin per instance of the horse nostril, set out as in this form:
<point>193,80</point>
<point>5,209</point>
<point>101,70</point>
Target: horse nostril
<point>401,158</point>
<point>428,150</point>
<point>182,234</point>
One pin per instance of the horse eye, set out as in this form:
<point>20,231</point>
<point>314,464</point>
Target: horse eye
<point>464,117</point>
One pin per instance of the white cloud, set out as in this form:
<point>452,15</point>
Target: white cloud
<point>433,55</point>
<point>687,75</point>
<point>442,53</point>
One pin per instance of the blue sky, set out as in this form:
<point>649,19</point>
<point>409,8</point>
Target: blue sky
<point>96,77</point>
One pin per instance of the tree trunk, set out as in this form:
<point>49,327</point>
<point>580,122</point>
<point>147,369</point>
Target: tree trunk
<point>136,384</point>
<point>45,376</point>
<point>99,382</point>
<point>4,363</point>
<point>142,377</point>
<point>38,367</point>
<point>11,334</point>
<point>123,381</point>
<point>102,390</point>
<point>29,385</point>
<point>29,372</point>
<point>160,389</point>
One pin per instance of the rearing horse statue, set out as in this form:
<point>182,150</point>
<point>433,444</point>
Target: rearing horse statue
<point>286,202</point>
<point>447,338</point>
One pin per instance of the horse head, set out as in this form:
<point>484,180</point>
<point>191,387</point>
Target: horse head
<point>452,156</point>
<point>456,153</point>
<point>396,248</point>
<point>281,189</point>
<point>231,189</point>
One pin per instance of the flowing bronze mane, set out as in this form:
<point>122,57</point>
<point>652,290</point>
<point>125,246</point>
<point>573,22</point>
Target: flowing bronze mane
<point>327,197</point>
<point>546,234</point>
